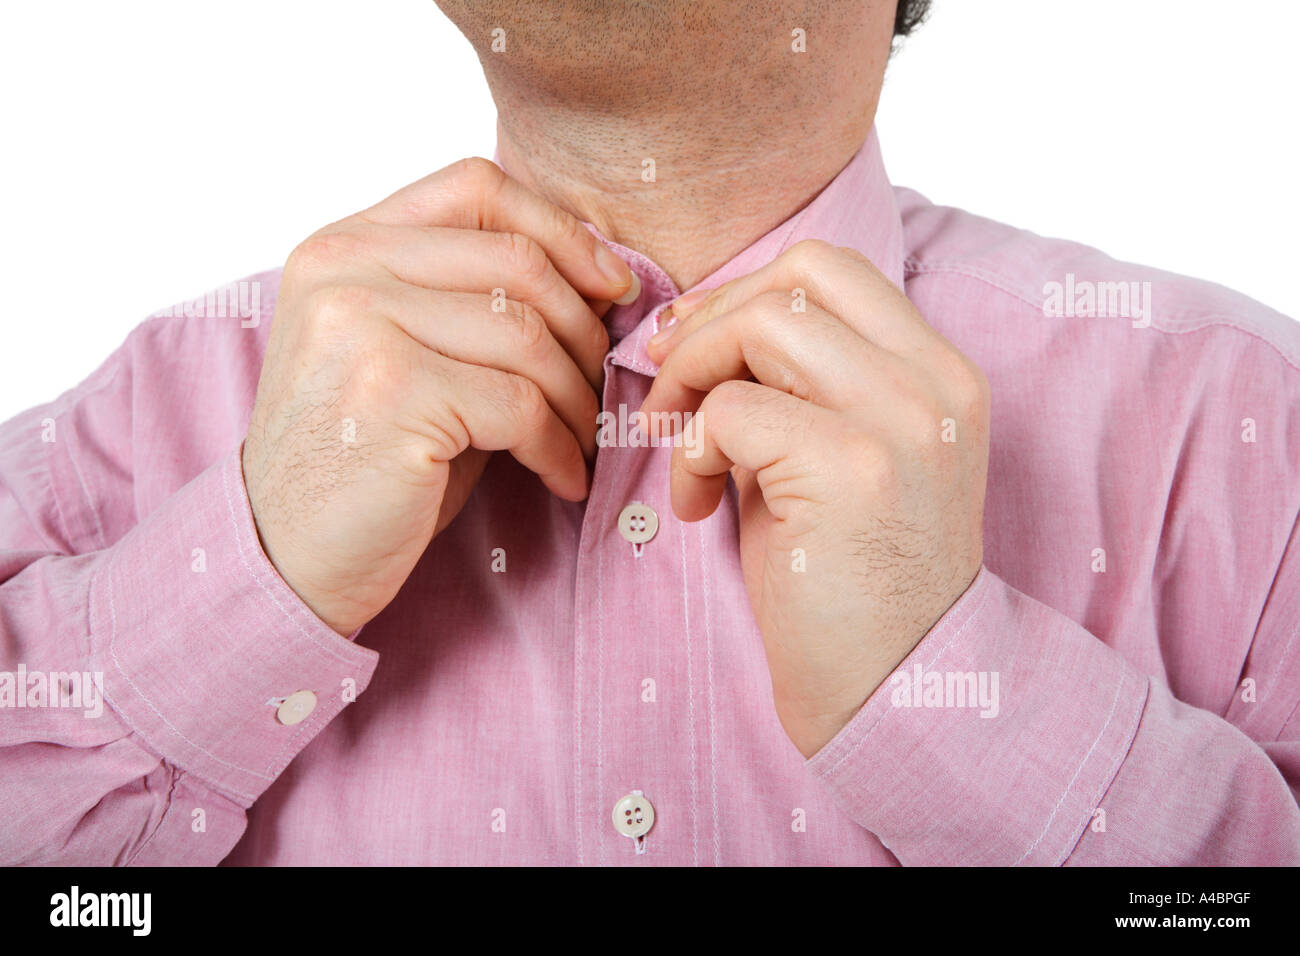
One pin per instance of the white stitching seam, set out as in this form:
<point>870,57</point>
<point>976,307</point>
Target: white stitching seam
<point>56,411</point>
<point>602,514</point>
<point>1281,666</point>
<point>577,702</point>
<point>85,490</point>
<point>707,580</point>
<point>1121,754</point>
<point>1083,763</point>
<point>690,697</point>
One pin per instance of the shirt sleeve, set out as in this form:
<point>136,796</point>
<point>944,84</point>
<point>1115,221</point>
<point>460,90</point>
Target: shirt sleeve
<point>141,673</point>
<point>1070,755</point>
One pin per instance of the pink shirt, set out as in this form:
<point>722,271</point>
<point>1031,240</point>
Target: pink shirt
<point>1137,609</point>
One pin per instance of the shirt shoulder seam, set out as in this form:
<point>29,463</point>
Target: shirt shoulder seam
<point>1200,321</point>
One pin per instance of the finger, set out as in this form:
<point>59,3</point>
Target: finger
<point>841,281</point>
<point>811,355</point>
<point>475,193</point>
<point>768,432</point>
<point>467,328</point>
<point>492,410</point>
<point>463,260</point>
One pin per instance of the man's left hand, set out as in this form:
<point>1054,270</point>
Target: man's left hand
<point>858,440</point>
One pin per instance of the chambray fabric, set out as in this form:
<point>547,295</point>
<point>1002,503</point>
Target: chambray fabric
<point>1138,604</point>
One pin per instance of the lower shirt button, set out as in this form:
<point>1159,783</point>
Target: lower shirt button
<point>638,524</point>
<point>633,815</point>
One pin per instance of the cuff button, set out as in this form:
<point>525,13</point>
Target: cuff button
<point>296,708</point>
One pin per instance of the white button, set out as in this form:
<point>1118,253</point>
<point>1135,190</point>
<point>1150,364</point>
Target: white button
<point>296,708</point>
<point>638,523</point>
<point>633,815</point>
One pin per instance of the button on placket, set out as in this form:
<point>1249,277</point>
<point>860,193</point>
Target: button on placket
<point>638,524</point>
<point>633,817</point>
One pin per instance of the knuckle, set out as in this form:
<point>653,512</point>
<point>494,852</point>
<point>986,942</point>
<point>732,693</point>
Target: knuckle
<point>850,253</point>
<point>772,309</point>
<point>598,337</point>
<point>302,259</point>
<point>530,329</point>
<point>920,417</point>
<point>727,397</point>
<point>381,373</point>
<point>968,384</point>
<point>807,253</point>
<point>444,436</point>
<point>567,228</point>
<point>478,175</point>
<point>912,390</point>
<point>526,259</point>
<point>322,250</point>
<point>526,401</point>
<point>425,452</point>
<point>339,306</point>
<point>873,464</point>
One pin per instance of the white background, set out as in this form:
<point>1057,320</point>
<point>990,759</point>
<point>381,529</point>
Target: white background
<point>154,149</point>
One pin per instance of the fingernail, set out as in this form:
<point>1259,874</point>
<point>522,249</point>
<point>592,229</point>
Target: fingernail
<point>666,328</point>
<point>630,296</point>
<point>690,299</point>
<point>611,266</point>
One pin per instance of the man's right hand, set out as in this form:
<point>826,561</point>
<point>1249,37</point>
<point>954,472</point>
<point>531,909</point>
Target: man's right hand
<point>389,377</point>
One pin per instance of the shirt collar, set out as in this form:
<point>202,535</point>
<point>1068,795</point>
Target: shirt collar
<point>856,209</point>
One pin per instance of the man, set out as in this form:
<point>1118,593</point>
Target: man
<point>402,576</point>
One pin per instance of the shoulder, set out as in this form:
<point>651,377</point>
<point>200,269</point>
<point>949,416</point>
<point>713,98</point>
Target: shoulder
<point>1060,279</point>
<point>235,315</point>
<point>168,402</point>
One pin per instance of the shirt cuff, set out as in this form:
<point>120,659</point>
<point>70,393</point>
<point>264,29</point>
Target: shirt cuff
<point>199,640</point>
<point>995,739</point>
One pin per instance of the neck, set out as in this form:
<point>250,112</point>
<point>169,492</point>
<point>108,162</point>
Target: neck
<point>690,158</point>
<point>688,204</point>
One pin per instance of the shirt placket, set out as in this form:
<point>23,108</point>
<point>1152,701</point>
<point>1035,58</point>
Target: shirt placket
<point>642,762</point>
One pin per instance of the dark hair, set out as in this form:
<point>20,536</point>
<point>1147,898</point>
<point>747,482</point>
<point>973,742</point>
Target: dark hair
<point>909,16</point>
